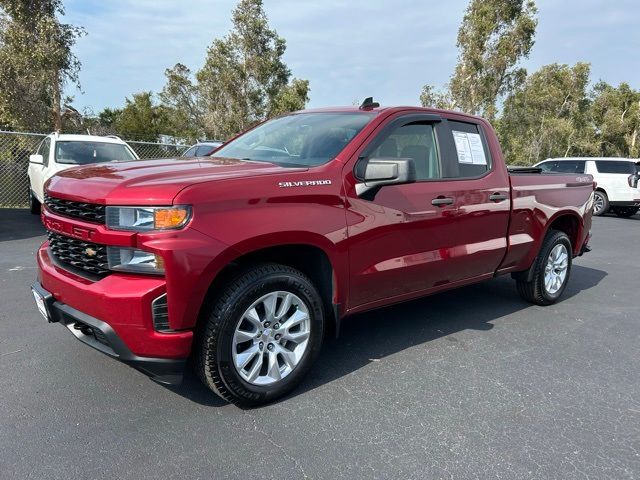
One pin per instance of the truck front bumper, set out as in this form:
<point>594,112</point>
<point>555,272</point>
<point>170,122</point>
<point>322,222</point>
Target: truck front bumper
<point>113,315</point>
<point>102,337</point>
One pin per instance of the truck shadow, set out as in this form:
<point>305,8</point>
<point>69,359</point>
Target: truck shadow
<point>18,224</point>
<point>374,335</point>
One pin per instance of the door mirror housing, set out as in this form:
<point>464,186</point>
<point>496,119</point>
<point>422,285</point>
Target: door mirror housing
<point>37,159</point>
<point>375,173</point>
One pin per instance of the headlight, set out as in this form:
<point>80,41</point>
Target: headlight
<point>134,261</point>
<point>144,219</point>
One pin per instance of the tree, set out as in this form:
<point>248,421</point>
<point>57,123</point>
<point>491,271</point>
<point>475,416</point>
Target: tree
<point>182,96</point>
<point>141,119</point>
<point>494,36</point>
<point>244,79</point>
<point>615,113</point>
<point>547,116</point>
<point>36,63</point>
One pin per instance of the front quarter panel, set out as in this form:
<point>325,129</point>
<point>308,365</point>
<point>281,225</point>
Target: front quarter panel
<point>253,213</point>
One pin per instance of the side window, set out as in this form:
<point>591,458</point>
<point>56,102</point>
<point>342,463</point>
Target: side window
<point>548,166</point>
<point>414,140</point>
<point>570,166</point>
<point>46,148</point>
<point>607,166</point>
<point>203,150</point>
<point>473,157</point>
<point>190,153</point>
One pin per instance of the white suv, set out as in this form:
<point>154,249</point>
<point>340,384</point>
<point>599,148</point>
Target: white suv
<point>616,179</point>
<point>58,152</point>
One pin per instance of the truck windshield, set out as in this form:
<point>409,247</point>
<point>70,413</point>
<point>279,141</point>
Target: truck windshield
<point>304,139</point>
<point>81,153</point>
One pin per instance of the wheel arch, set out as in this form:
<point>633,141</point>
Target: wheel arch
<point>568,222</point>
<point>312,258</point>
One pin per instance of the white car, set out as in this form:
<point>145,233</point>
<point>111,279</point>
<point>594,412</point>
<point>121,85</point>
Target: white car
<point>617,181</point>
<point>58,152</point>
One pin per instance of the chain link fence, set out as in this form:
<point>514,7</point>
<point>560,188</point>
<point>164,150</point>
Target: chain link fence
<point>15,148</point>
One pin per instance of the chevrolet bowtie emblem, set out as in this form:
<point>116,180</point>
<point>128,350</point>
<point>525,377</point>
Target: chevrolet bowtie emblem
<point>90,252</point>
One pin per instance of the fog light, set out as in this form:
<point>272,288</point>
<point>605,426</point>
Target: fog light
<point>134,261</point>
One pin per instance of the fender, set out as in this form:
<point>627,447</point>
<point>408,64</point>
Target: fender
<point>338,258</point>
<point>527,275</point>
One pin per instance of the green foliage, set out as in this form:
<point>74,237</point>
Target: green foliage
<point>141,119</point>
<point>181,95</point>
<point>244,80</point>
<point>547,116</point>
<point>36,62</point>
<point>290,98</point>
<point>554,114</point>
<point>494,36</point>
<point>615,113</point>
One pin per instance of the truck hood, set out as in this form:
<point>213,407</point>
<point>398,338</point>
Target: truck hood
<point>149,182</point>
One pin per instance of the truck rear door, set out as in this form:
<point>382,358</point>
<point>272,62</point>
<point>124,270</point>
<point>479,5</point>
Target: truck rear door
<point>481,190</point>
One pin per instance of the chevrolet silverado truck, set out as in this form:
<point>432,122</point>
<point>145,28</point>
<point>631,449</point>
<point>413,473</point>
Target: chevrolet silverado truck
<point>239,264</point>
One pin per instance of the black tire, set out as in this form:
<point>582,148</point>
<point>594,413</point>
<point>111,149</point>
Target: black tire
<point>34,204</point>
<point>625,212</point>
<point>214,358</point>
<point>600,203</point>
<point>534,291</point>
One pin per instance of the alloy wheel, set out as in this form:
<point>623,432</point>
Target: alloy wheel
<point>555,270</point>
<point>271,338</point>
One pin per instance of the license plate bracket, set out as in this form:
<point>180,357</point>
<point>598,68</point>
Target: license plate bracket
<point>41,303</point>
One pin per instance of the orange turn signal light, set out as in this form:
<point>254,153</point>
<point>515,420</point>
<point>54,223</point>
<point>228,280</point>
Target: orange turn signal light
<point>170,217</point>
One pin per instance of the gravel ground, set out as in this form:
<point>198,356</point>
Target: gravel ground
<point>467,384</point>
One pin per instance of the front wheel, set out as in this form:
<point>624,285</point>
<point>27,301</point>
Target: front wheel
<point>551,270</point>
<point>625,212</point>
<point>261,335</point>
<point>34,204</point>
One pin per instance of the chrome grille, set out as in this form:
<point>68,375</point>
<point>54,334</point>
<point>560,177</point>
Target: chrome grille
<point>86,256</point>
<point>91,212</point>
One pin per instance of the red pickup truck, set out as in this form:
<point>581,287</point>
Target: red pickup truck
<point>243,261</point>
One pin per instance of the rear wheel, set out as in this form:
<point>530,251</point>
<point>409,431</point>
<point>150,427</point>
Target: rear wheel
<point>551,270</point>
<point>34,204</point>
<point>625,212</point>
<point>261,335</point>
<point>600,203</point>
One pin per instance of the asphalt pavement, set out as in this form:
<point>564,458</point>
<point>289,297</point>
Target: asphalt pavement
<point>473,383</point>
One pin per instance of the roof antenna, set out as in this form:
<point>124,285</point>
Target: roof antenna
<point>368,104</point>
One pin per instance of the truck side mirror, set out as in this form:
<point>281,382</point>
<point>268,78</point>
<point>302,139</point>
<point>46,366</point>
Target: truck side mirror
<point>374,173</point>
<point>37,158</point>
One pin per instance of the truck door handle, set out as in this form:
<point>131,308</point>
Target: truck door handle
<point>498,197</point>
<point>442,201</point>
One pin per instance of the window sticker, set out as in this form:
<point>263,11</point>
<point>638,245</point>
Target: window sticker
<point>469,147</point>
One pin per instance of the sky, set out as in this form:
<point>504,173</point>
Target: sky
<point>347,49</point>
